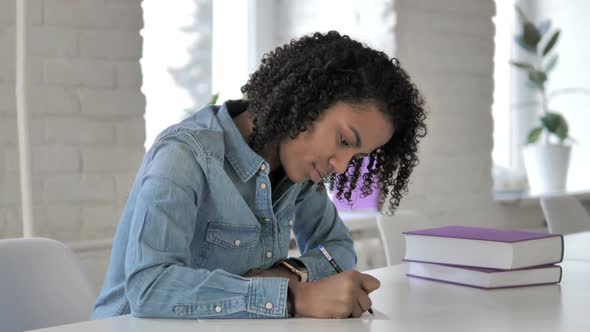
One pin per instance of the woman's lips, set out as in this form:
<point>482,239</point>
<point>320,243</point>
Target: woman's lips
<point>315,175</point>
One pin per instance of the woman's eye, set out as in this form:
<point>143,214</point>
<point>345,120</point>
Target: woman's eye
<point>343,141</point>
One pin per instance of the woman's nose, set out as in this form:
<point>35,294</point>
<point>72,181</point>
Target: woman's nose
<point>339,165</point>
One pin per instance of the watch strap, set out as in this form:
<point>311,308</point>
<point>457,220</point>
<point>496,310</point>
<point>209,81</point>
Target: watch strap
<point>297,267</point>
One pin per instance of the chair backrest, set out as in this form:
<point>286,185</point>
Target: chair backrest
<point>577,246</point>
<point>391,228</point>
<point>42,284</point>
<point>565,215</point>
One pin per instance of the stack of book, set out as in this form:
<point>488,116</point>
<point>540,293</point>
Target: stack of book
<point>484,257</point>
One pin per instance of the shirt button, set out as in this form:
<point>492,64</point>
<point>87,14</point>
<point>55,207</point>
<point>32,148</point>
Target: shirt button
<point>269,254</point>
<point>237,242</point>
<point>266,220</point>
<point>263,185</point>
<point>291,222</point>
<point>262,167</point>
<point>218,308</point>
<point>268,305</point>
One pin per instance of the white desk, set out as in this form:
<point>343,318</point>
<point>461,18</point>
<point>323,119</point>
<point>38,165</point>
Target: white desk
<point>406,304</point>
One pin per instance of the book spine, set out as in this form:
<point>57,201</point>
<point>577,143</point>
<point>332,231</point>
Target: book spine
<point>562,248</point>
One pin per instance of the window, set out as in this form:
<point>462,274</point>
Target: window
<point>195,48</point>
<point>512,121</point>
<point>508,169</point>
<point>176,62</point>
<point>501,105</point>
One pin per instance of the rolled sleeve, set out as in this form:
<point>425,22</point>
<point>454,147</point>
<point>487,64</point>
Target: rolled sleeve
<point>259,298</point>
<point>318,223</point>
<point>268,297</point>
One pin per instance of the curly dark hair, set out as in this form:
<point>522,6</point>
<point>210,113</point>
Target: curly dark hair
<point>298,81</point>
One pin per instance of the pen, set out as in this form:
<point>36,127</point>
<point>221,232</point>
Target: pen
<point>335,265</point>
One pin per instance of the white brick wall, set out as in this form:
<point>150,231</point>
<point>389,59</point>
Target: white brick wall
<point>87,126</point>
<point>79,130</point>
<point>85,72</point>
<point>447,47</point>
<point>120,103</point>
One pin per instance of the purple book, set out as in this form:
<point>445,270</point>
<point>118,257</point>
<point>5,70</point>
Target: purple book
<point>483,247</point>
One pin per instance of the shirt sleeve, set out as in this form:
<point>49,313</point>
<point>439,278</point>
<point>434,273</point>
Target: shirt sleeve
<point>160,280</point>
<point>317,222</point>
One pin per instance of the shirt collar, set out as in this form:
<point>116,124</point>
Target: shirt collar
<point>242,158</point>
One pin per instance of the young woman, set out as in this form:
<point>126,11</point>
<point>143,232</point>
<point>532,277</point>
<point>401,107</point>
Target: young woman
<point>206,229</point>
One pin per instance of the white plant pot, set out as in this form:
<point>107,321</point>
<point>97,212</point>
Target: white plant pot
<point>546,167</point>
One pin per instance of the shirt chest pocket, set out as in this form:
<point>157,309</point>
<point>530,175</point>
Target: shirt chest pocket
<point>233,248</point>
<point>285,220</point>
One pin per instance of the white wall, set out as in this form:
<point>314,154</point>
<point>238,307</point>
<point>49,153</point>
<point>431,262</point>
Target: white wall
<point>86,108</point>
<point>447,47</point>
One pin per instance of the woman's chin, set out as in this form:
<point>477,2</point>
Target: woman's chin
<point>297,178</point>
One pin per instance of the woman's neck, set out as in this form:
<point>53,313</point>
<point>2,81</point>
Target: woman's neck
<point>270,152</point>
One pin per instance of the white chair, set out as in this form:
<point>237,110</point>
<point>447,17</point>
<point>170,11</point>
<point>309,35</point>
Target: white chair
<point>391,228</point>
<point>577,246</point>
<point>41,285</point>
<point>565,215</point>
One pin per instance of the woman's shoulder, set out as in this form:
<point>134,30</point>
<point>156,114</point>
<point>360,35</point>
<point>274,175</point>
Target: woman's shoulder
<point>201,131</point>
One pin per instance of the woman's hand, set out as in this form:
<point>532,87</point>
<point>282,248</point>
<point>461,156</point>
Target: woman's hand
<point>340,296</point>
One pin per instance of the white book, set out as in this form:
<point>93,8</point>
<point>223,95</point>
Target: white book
<point>485,278</point>
<point>483,247</point>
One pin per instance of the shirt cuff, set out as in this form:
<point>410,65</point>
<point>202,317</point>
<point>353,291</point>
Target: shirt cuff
<point>260,298</point>
<point>268,297</point>
<point>317,265</point>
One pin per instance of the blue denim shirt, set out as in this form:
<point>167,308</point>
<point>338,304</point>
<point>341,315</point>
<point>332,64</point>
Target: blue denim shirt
<point>200,214</point>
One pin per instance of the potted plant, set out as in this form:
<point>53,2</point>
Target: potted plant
<point>547,152</point>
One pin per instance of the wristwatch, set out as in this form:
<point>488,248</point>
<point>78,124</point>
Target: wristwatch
<point>296,266</point>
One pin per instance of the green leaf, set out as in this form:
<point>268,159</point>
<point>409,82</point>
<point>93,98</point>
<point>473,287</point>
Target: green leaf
<point>562,131</point>
<point>544,26</point>
<point>534,135</point>
<point>555,123</point>
<point>534,85</point>
<point>531,35</point>
<point>538,78</point>
<point>213,100</point>
<point>522,65</point>
<point>551,63</point>
<point>551,42</point>
<point>521,18</point>
<point>520,41</point>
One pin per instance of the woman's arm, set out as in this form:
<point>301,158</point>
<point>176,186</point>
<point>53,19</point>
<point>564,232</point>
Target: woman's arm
<point>160,280</point>
<point>317,222</point>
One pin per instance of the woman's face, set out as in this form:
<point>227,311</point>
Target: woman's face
<point>344,131</point>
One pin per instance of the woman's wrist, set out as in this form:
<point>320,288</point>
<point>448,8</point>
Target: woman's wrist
<point>276,271</point>
<point>291,309</point>
<point>286,273</point>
